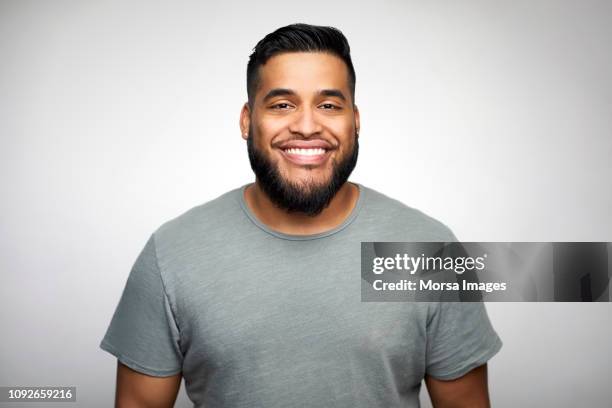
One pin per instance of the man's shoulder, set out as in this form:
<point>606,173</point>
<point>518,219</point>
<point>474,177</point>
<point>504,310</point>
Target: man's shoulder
<point>203,218</point>
<point>395,214</point>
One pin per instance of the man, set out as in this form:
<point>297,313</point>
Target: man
<point>254,297</point>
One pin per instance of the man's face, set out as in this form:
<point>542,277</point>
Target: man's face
<point>302,130</point>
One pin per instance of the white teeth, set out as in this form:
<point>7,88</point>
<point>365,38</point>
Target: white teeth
<point>306,152</point>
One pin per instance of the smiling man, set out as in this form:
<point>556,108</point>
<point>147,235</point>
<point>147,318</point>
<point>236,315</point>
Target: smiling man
<point>254,298</point>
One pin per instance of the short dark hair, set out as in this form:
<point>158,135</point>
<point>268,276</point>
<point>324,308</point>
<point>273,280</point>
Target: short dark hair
<point>299,38</point>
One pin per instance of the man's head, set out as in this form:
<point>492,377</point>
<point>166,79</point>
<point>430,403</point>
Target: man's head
<point>301,122</point>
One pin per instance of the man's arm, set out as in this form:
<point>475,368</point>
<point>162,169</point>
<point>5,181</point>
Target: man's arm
<point>471,390</point>
<point>137,390</point>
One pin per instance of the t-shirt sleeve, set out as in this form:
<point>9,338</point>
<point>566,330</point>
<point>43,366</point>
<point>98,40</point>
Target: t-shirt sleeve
<point>460,337</point>
<point>143,333</point>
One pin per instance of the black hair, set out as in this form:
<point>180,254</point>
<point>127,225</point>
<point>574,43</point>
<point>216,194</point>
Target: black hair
<point>299,38</point>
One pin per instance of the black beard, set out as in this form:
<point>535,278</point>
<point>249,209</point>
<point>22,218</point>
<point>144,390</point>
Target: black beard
<point>291,197</point>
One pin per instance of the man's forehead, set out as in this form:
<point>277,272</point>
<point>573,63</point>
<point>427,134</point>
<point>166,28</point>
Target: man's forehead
<point>311,71</point>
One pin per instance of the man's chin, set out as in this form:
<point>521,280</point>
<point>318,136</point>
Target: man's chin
<point>307,185</point>
<point>309,199</point>
<point>301,187</point>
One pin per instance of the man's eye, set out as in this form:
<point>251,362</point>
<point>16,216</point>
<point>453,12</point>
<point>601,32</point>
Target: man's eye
<point>329,106</point>
<point>280,106</point>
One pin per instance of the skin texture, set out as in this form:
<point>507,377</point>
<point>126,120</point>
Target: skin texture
<point>304,113</point>
<point>137,390</point>
<point>471,390</point>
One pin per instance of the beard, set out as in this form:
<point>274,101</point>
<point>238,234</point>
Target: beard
<point>309,198</point>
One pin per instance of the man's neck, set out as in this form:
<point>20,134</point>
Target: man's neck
<point>282,221</point>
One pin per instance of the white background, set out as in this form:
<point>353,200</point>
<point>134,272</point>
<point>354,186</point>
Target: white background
<point>115,116</point>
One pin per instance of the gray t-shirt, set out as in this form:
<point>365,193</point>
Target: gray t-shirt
<point>257,318</point>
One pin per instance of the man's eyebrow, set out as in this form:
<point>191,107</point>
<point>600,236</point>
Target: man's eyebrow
<point>289,92</point>
<point>278,92</point>
<point>333,92</point>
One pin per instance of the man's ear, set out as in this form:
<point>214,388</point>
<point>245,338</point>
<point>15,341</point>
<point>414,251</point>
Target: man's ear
<point>245,120</point>
<point>357,121</point>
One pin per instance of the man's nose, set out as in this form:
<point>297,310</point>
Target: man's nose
<point>305,122</point>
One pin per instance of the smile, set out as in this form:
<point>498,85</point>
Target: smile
<point>305,152</point>
<point>306,156</point>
